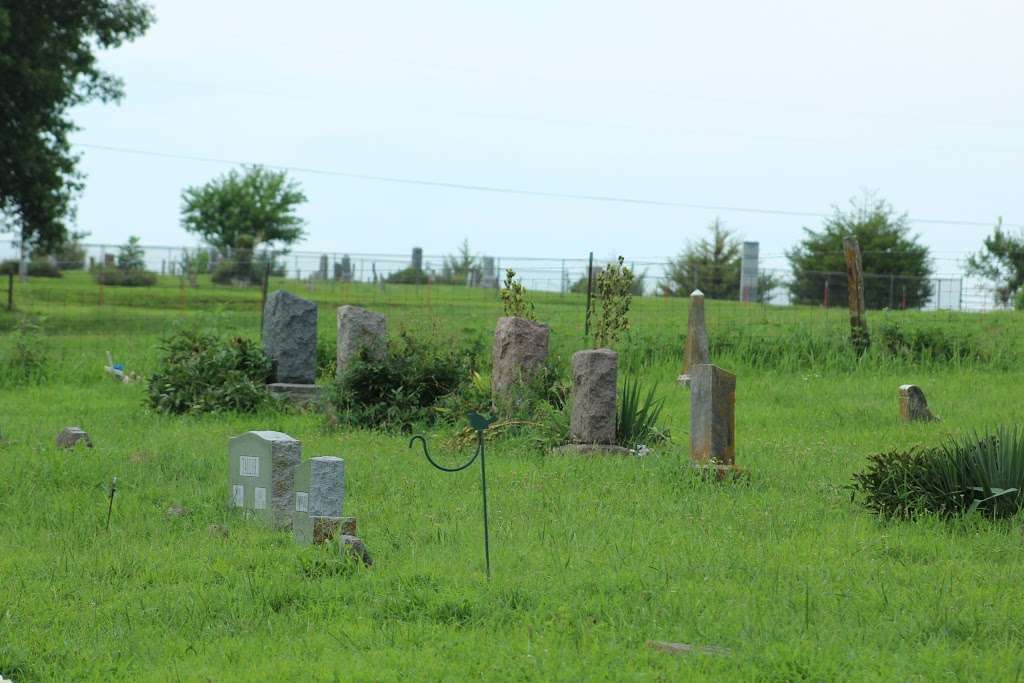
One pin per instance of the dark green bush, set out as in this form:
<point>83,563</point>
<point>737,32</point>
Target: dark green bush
<point>201,373</point>
<point>246,271</point>
<point>36,268</point>
<point>114,277</point>
<point>406,386</point>
<point>982,473</point>
<point>408,276</point>
<point>927,343</point>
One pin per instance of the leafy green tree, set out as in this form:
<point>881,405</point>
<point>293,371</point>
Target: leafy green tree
<point>242,211</point>
<point>1001,262</point>
<point>48,65</point>
<point>69,256</point>
<point>131,256</point>
<point>710,265</point>
<point>895,264</point>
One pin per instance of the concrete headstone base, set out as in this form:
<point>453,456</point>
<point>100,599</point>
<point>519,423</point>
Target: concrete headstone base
<point>300,394</point>
<point>722,472</point>
<point>591,449</point>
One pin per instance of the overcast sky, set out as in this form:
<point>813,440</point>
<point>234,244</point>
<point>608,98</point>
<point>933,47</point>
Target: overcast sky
<point>791,106</point>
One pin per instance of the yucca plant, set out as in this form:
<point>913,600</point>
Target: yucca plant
<point>637,419</point>
<point>991,470</point>
<point>976,473</point>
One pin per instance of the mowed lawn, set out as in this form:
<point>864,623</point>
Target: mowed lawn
<point>592,557</point>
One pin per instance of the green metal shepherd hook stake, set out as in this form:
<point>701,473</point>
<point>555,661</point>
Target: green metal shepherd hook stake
<point>479,423</point>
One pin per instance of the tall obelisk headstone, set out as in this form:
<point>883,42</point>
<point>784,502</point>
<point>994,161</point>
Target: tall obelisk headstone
<point>697,350</point>
<point>712,416</point>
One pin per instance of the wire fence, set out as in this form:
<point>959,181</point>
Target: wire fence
<point>330,272</point>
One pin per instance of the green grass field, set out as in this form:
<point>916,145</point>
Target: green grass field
<point>592,557</point>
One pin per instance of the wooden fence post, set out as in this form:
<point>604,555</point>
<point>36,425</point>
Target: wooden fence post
<point>855,278</point>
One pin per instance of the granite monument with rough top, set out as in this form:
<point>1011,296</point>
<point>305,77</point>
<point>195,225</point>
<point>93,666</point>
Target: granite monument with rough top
<point>519,352</point>
<point>360,329</point>
<point>289,338</point>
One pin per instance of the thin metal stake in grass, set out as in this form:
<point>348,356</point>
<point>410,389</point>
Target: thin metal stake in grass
<point>110,506</point>
<point>479,423</point>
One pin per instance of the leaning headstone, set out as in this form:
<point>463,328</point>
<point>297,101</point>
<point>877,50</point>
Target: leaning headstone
<point>319,499</point>
<point>712,416</point>
<point>913,405</point>
<point>519,352</point>
<point>261,473</point>
<point>697,352</point>
<point>594,380</point>
<point>70,436</point>
<point>289,337</point>
<point>359,328</point>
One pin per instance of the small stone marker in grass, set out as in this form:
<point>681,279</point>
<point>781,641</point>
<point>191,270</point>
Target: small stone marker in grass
<point>913,405</point>
<point>262,468</point>
<point>69,437</point>
<point>697,350</point>
<point>320,501</point>
<point>713,418</point>
<point>360,329</point>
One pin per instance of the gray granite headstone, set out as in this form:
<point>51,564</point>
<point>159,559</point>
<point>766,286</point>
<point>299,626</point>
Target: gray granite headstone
<point>712,415</point>
<point>417,258</point>
<point>319,499</point>
<point>594,386</point>
<point>323,266</point>
<point>697,352</point>
<point>913,405</point>
<point>520,350</point>
<point>359,328</point>
<point>289,338</point>
<point>261,473</point>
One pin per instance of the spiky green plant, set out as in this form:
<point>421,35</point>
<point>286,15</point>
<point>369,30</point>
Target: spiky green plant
<point>636,421</point>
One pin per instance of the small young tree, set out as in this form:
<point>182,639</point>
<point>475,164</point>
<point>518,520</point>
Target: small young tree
<point>893,260</point>
<point>614,288</point>
<point>710,265</point>
<point>458,266</point>
<point>243,211</point>
<point>131,256</point>
<point>1001,262</point>
<point>513,297</point>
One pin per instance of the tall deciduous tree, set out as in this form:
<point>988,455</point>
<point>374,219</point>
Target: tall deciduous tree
<point>47,66</point>
<point>242,211</point>
<point>896,267</point>
<point>1001,261</point>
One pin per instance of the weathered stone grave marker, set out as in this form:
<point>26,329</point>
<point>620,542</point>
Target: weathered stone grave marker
<point>320,501</point>
<point>859,335</point>
<point>289,338</point>
<point>519,352</point>
<point>70,436</point>
<point>697,350</point>
<point>262,475</point>
<point>913,405</point>
<point>712,416</point>
<point>360,329</point>
<point>594,388</point>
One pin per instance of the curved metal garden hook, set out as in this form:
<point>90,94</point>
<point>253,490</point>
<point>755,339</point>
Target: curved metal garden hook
<point>479,423</point>
<point>435,463</point>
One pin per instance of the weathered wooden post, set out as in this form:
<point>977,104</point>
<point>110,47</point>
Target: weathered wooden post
<point>855,278</point>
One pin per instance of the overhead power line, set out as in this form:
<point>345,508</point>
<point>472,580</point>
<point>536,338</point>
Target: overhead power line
<point>614,199</point>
